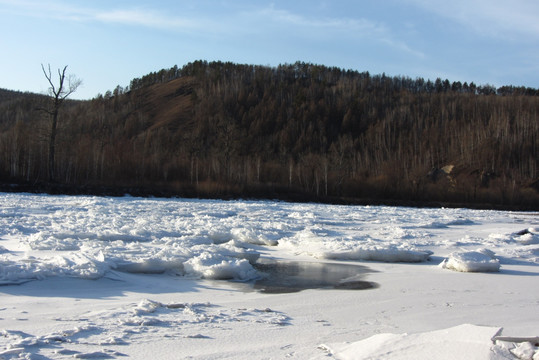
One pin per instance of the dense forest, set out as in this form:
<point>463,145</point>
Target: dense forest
<point>297,131</point>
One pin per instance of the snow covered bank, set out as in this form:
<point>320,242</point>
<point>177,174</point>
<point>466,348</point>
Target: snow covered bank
<point>460,342</point>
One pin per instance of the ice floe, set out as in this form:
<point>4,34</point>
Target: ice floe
<point>482,260</point>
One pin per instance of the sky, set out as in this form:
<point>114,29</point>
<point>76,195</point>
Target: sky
<point>108,43</point>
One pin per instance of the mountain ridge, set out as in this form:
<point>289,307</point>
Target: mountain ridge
<point>215,129</point>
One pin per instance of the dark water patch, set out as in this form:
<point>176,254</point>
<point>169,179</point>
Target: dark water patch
<point>293,276</point>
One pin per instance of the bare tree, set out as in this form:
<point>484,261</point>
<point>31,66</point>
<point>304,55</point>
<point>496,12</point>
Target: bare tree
<point>58,93</point>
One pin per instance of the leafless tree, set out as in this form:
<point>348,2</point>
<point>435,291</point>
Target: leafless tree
<point>66,86</point>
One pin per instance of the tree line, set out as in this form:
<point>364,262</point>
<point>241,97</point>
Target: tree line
<point>295,131</point>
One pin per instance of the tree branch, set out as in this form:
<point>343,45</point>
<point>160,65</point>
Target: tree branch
<point>48,76</point>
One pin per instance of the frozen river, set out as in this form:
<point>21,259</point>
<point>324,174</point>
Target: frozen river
<point>105,277</point>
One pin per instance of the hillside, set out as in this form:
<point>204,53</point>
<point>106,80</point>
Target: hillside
<point>298,131</point>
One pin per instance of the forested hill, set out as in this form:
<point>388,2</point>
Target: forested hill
<point>296,131</point>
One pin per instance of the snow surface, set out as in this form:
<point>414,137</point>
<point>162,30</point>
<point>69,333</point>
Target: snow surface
<point>96,277</point>
<point>460,342</point>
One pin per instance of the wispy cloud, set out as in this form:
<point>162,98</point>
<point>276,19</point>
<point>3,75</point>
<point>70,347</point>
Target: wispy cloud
<point>237,22</point>
<point>359,28</point>
<point>42,9</point>
<point>497,18</point>
<point>147,18</point>
<point>126,16</point>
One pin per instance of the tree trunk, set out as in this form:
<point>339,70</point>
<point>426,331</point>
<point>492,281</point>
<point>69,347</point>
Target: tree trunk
<point>52,145</point>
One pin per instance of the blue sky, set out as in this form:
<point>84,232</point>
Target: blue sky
<point>107,43</point>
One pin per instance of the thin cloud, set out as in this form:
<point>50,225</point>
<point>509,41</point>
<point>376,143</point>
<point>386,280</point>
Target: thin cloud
<point>363,26</point>
<point>134,16</point>
<point>42,9</point>
<point>264,20</point>
<point>498,18</point>
<point>402,46</point>
<point>236,23</point>
<point>151,19</point>
<point>358,28</point>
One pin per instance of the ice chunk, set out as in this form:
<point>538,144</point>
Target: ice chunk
<point>525,350</point>
<point>527,236</point>
<point>217,266</point>
<point>252,237</point>
<point>461,222</point>
<point>482,260</point>
<point>152,266</point>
